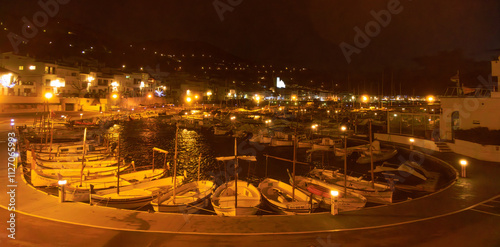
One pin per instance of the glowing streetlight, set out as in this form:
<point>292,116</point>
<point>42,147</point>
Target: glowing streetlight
<point>364,98</point>
<point>430,99</point>
<point>48,95</point>
<point>196,96</point>
<point>188,99</point>
<point>81,115</point>
<point>294,97</point>
<point>114,96</point>
<point>463,164</point>
<point>150,96</point>
<point>411,143</point>
<point>334,196</point>
<point>344,129</point>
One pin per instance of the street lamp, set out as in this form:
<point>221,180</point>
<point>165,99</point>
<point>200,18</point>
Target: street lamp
<point>334,196</point>
<point>344,129</point>
<point>463,163</point>
<point>411,143</point>
<point>48,96</point>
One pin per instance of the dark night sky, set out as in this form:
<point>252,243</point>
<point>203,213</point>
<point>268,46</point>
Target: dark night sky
<point>306,32</point>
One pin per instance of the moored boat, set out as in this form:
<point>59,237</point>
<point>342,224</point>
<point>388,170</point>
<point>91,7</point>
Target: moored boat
<point>376,193</point>
<point>321,192</point>
<point>280,197</point>
<point>189,198</point>
<point>224,199</point>
<point>135,196</point>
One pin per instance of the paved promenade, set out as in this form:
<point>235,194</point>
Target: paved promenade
<point>478,193</point>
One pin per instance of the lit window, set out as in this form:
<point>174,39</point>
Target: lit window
<point>21,67</point>
<point>32,67</point>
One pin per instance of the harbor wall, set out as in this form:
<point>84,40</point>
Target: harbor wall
<point>422,143</point>
<point>475,150</point>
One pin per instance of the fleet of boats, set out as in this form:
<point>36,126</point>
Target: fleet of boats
<point>94,172</point>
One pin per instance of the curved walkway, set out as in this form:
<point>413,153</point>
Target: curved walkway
<point>466,193</point>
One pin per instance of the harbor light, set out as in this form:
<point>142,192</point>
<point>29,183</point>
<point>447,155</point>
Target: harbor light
<point>334,196</point>
<point>48,95</point>
<point>364,98</point>
<point>463,164</point>
<point>431,99</point>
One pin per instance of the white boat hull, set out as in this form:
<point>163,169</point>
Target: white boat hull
<point>223,199</point>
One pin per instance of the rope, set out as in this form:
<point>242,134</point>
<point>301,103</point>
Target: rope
<point>260,209</point>
<point>202,209</point>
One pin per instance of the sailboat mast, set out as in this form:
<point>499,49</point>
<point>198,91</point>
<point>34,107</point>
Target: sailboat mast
<point>118,169</point>
<point>371,154</point>
<point>236,176</point>
<point>83,156</point>
<point>175,163</point>
<point>51,138</point>
<point>345,164</point>
<point>199,167</point>
<point>294,161</point>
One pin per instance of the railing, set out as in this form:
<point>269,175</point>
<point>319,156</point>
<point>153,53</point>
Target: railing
<point>463,92</point>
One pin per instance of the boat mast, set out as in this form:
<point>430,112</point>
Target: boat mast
<point>295,155</point>
<point>175,163</point>
<point>51,138</point>
<point>199,167</point>
<point>345,163</point>
<point>236,176</point>
<point>118,169</point>
<point>371,154</point>
<point>294,161</point>
<point>83,156</point>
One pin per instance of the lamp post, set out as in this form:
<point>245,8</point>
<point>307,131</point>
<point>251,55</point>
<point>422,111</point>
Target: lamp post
<point>47,96</point>
<point>463,164</point>
<point>411,143</point>
<point>343,128</point>
<point>334,210</point>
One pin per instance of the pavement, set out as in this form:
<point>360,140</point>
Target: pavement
<point>473,200</point>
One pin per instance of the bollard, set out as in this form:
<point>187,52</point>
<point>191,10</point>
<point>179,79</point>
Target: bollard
<point>61,183</point>
<point>334,208</point>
